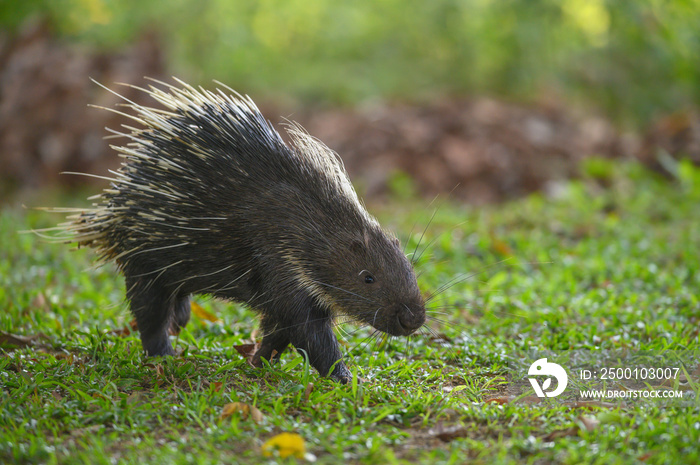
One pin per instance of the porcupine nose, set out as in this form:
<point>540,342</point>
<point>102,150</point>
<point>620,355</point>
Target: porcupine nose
<point>410,319</point>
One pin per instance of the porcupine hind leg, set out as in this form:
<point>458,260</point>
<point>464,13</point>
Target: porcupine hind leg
<point>275,341</point>
<point>153,309</point>
<point>181,314</point>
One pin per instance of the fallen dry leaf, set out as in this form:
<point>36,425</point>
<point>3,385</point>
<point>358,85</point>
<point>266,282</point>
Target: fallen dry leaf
<point>68,357</point>
<point>247,350</point>
<point>440,337</point>
<point>202,314</point>
<point>500,247</point>
<point>573,431</point>
<point>590,423</point>
<point>126,330</point>
<point>307,392</point>
<point>449,433</point>
<point>589,404</point>
<point>500,400</point>
<point>157,367</point>
<point>40,301</point>
<point>244,410</point>
<point>285,444</point>
<point>7,339</point>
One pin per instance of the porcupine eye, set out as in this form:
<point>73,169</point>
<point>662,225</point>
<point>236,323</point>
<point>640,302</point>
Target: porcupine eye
<point>369,279</point>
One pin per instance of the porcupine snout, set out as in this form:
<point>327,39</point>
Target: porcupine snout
<point>410,319</point>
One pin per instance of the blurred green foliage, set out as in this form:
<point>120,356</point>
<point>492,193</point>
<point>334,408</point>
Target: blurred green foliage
<point>632,59</point>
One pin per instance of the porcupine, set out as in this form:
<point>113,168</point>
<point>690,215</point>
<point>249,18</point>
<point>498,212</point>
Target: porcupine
<point>211,200</point>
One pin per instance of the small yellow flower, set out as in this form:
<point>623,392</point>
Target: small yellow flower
<point>286,444</point>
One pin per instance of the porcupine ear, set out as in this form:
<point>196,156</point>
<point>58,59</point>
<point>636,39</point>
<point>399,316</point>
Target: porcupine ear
<point>356,246</point>
<point>360,243</point>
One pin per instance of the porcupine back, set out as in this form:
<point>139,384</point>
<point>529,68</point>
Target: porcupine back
<point>191,171</point>
<point>211,200</point>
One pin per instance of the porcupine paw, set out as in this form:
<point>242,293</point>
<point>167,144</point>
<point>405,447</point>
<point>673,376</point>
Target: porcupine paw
<point>153,312</point>
<point>341,373</point>
<point>157,344</point>
<point>271,348</point>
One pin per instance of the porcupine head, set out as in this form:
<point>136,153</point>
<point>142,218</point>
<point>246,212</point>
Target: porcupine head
<point>211,200</point>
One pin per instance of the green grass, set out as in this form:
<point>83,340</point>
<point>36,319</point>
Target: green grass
<point>611,263</point>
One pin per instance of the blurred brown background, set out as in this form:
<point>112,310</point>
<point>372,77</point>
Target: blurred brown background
<point>497,112</point>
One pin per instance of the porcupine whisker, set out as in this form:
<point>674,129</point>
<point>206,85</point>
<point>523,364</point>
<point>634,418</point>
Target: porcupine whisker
<point>413,258</point>
<point>452,352</point>
<point>446,303</point>
<point>503,312</point>
<point>415,223</point>
<point>374,321</point>
<point>433,311</point>
<point>420,239</point>
<point>427,246</point>
<point>464,277</point>
<point>383,341</point>
<point>348,319</point>
<point>359,326</point>
<point>447,323</point>
<point>375,341</point>
<point>277,329</point>
<point>423,331</point>
<point>456,280</point>
<point>446,345</point>
<point>366,341</point>
<point>439,301</point>
<point>452,282</point>
<point>347,351</point>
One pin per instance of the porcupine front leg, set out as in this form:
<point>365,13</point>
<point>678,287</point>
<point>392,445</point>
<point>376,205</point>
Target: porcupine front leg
<point>317,339</point>
<point>313,334</point>
<point>153,309</point>
<point>310,331</point>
